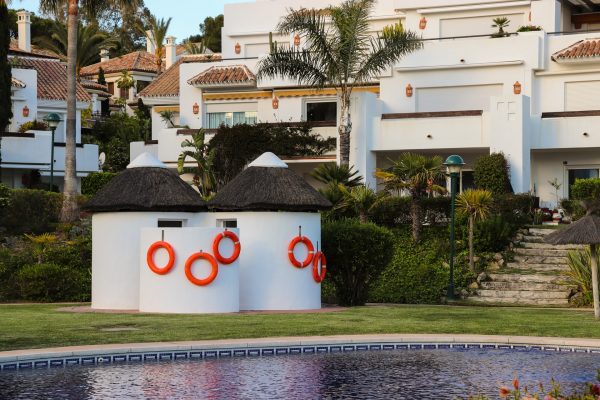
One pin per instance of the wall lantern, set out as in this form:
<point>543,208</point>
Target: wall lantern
<point>196,109</point>
<point>423,23</point>
<point>26,111</point>
<point>275,103</point>
<point>517,87</point>
<point>409,90</point>
<point>238,48</point>
<point>297,40</point>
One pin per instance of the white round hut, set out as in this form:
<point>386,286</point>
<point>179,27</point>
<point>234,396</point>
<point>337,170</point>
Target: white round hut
<point>145,195</point>
<point>273,207</point>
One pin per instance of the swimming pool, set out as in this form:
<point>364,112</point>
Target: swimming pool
<point>398,374</point>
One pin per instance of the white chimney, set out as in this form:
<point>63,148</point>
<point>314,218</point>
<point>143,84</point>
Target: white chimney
<point>104,55</point>
<point>24,23</point>
<point>170,52</point>
<point>150,46</point>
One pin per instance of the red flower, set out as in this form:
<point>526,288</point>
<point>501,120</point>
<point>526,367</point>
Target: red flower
<point>596,389</point>
<point>515,383</point>
<point>504,392</point>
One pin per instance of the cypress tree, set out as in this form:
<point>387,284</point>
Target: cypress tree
<point>101,79</point>
<point>5,73</point>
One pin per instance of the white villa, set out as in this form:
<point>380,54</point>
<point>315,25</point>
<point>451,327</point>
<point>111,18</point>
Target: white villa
<point>38,89</point>
<point>535,96</point>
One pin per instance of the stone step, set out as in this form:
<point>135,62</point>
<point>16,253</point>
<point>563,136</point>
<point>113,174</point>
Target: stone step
<point>546,246</point>
<point>531,278</point>
<point>520,302</point>
<point>540,231</point>
<point>533,239</point>
<point>542,259</point>
<point>538,267</point>
<point>525,294</point>
<point>541,252</point>
<point>521,286</point>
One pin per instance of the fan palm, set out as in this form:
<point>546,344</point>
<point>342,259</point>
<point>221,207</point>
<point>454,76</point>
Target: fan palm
<point>475,205</point>
<point>197,150</point>
<point>415,174</point>
<point>500,23</point>
<point>159,29</point>
<point>195,48</point>
<point>90,40</point>
<point>339,51</point>
<point>338,174</point>
<point>361,200</point>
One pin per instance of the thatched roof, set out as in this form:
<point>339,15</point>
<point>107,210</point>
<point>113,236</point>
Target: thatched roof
<point>268,185</point>
<point>584,231</point>
<point>146,186</point>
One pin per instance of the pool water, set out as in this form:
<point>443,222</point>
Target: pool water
<point>408,374</point>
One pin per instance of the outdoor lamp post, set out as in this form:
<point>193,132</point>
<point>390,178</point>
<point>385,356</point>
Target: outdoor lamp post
<point>454,164</point>
<point>53,120</point>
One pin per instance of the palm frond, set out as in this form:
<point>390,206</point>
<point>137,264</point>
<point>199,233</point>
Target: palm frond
<point>299,65</point>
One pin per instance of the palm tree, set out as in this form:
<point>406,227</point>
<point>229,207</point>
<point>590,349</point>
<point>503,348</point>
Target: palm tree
<point>158,30</point>
<point>415,174</point>
<point>476,205</point>
<point>197,149</point>
<point>360,199</point>
<point>500,23</point>
<point>195,48</point>
<point>331,172</point>
<point>126,81</point>
<point>339,51</point>
<point>90,40</point>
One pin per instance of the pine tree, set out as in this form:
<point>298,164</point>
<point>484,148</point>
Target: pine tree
<point>5,70</point>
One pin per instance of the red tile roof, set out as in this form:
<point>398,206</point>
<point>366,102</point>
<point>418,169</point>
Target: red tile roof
<point>13,48</point>
<point>101,90</point>
<point>140,61</point>
<point>17,83</point>
<point>51,79</point>
<point>224,75</point>
<point>588,48</point>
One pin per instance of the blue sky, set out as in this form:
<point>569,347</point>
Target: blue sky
<point>186,14</point>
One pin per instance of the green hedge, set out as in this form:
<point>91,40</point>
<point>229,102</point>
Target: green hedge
<point>356,255</point>
<point>491,173</point>
<point>51,282</point>
<point>31,211</point>
<point>395,211</point>
<point>91,184</point>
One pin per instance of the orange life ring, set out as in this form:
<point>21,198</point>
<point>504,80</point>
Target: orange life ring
<point>309,246</point>
<point>201,256</point>
<point>236,247</point>
<point>150,257</point>
<point>319,257</point>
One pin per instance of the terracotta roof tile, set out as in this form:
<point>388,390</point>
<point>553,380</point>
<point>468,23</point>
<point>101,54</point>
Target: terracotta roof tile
<point>224,75</point>
<point>13,48</point>
<point>140,61</point>
<point>17,83</point>
<point>100,90</point>
<point>588,48</point>
<point>51,79</point>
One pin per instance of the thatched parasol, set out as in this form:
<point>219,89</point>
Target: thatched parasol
<point>584,231</point>
<point>146,185</point>
<point>268,185</point>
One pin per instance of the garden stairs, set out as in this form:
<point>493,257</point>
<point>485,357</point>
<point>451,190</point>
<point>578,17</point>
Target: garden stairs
<point>536,276</point>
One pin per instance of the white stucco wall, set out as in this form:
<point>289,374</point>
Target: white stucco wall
<point>173,292</point>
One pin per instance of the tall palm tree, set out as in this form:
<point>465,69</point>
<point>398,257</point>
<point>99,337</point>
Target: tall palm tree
<point>475,205</point>
<point>339,51</point>
<point>415,174</point>
<point>90,40</point>
<point>159,29</point>
<point>197,150</point>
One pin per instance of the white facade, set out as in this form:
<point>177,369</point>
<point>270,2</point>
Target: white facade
<point>464,98</point>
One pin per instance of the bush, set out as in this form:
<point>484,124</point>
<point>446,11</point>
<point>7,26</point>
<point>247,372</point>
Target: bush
<point>31,211</point>
<point>492,173</point>
<point>573,208</point>
<point>34,125</point>
<point>395,211</point>
<point>356,255</point>
<point>580,274</point>
<point>529,28</point>
<point>95,181</point>
<point>492,234</point>
<point>516,209</point>
<point>587,191</point>
<point>52,282</point>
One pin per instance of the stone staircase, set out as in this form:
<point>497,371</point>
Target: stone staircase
<point>536,276</point>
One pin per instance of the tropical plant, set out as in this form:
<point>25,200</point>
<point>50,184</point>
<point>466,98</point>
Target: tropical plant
<point>126,81</point>
<point>580,272</point>
<point>475,205</point>
<point>41,244</point>
<point>339,51</point>
<point>198,151</point>
<point>195,48</point>
<point>415,174</point>
<point>360,200</point>
<point>90,40</point>
<point>159,29</point>
<point>339,174</point>
<point>5,69</point>
<point>500,23</point>
<point>167,116</point>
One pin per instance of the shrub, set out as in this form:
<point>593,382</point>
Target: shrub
<point>492,173</point>
<point>580,273</point>
<point>529,28</point>
<point>95,181</point>
<point>31,211</point>
<point>573,208</point>
<point>492,234</point>
<point>356,255</point>
<point>587,191</point>
<point>34,125</point>
<point>516,209</point>
<point>395,211</point>
<point>51,282</point>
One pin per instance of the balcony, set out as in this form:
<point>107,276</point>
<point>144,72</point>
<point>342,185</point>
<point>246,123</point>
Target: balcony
<point>568,130</point>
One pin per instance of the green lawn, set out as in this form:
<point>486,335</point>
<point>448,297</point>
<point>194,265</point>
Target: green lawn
<point>37,326</point>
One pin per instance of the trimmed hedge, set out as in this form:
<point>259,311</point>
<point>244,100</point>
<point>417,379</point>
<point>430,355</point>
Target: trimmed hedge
<point>395,211</point>
<point>31,211</point>
<point>91,184</point>
<point>492,173</point>
<point>51,282</point>
<point>356,255</point>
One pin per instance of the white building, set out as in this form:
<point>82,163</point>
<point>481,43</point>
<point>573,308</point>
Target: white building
<point>533,95</point>
<point>38,89</point>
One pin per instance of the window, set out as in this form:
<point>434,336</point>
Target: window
<point>111,87</point>
<point>581,173</point>
<point>227,223</point>
<point>124,93</point>
<point>321,112</point>
<point>141,85</point>
<point>168,223</point>
<point>467,180</point>
<point>215,120</point>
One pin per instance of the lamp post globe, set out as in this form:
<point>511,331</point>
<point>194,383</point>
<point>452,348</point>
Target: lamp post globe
<point>53,120</point>
<point>454,165</point>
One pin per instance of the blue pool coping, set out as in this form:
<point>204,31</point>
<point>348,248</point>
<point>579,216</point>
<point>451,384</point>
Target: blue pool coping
<point>206,350</point>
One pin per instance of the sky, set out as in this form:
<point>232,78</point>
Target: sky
<point>186,14</point>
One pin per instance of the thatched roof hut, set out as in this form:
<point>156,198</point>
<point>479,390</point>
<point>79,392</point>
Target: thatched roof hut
<point>146,185</point>
<point>269,185</point>
<point>584,231</point>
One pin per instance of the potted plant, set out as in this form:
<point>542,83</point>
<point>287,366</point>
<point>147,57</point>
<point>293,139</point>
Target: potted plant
<point>500,23</point>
